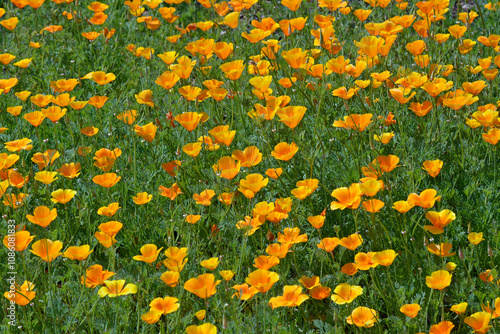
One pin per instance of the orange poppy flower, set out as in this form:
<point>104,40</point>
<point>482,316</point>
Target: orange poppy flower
<point>442,250</point>
<point>295,57</point>
<point>479,322</point>
<point>252,184</point>
<point>262,280</point>
<point>145,97</point>
<point>211,263</point>
<point>492,136</point>
<point>279,250</point>
<point>62,196</point>
<point>410,310</point>
<point>42,216</point>
<point>439,220</point>
<point>384,258</point>
<point>127,116</point>
<point>459,308</point>
<point>347,197</point>
<point>77,253</point>
<point>205,197</point>
<point>19,241</point>
<point>47,249</point>
<point>116,288</point>
<point>165,305</point>
<point>189,120</point>
<point>142,198</point>
<point>244,291</point>
<point>71,170</point>
<point>356,122</point>
<point>227,167</point>
<point>147,132</point>
<point>22,295</point>
<point>292,296</point>
<point>351,242</point>
<point>222,134</point>
<point>363,317</point>
<point>266,262</point>
<point>96,101</point>
<point>106,180</point>
<point>443,327</point>
<point>438,280</point>
<point>54,113</point>
<point>10,24</point>
<point>433,167</point>
<point>203,286</point>
<point>426,199</point>
<point>475,238</point>
<point>170,278</point>
<point>149,253</point>
<point>233,70</point>
<point>284,151</point>
<point>329,244</point>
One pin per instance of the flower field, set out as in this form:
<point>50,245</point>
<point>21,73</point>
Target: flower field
<point>246,166</point>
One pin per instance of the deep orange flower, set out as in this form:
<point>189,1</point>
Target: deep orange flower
<point>351,242</point>
<point>284,151</point>
<point>22,295</point>
<point>147,132</point>
<point>203,286</point>
<point>329,244</point>
<point>165,305</point>
<point>356,122</point>
<point>479,322</point>
<point>106,180</point>
<point>443,327</point>
<point>47,249</point>
<point>19,241</point>
<point>189,120</point>
<point>233,70</point>
<point>171,278</point>
<point>410,310</point>
<point>42,216</point>
<point>227,167</point>
<point>292,296</point>
<point>363,317</point>
<point>244,291</point>
<point>252,184</point>
<point>433,167</point>
<point>439,220</point>
<point>262,280</point>
<point>426,199</point>
<point>205,197</point>
<point>347,197</point>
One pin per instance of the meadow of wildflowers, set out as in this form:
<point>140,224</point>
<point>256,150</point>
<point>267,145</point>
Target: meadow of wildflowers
<point>250,166</point>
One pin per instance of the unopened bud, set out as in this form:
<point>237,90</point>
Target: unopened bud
<point>461,254</point>
<point>490,250</point>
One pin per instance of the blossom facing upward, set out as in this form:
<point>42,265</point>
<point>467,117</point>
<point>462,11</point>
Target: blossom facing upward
<point>292,296</point>
<point>363,317</point>
<point>203,286</point>
<point>116,288</point>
